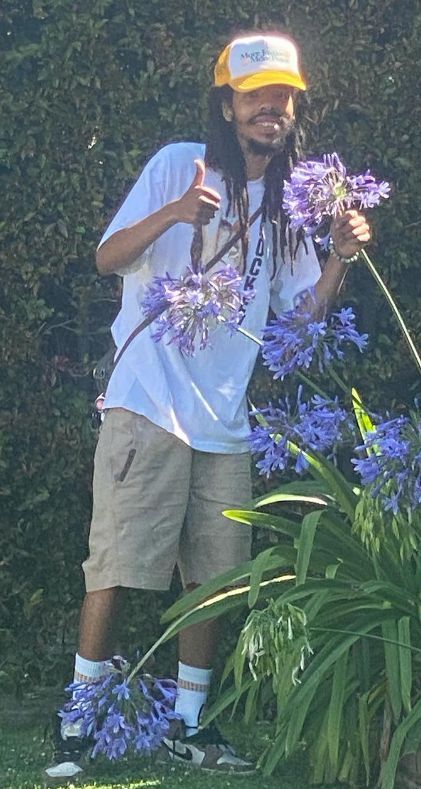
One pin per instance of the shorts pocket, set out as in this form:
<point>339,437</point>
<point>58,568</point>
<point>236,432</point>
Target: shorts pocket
<point>122,443</point>
<point>127,465</point>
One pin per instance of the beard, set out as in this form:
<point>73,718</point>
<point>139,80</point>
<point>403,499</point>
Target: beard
<point>265,148</point>
<point>275,146</point>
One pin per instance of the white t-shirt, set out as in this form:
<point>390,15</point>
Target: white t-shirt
<point>200,399</point>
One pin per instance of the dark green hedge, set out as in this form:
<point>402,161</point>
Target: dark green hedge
<point>87,92</point>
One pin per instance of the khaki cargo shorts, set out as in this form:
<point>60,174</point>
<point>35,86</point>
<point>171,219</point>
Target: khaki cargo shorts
<point>158,503</point>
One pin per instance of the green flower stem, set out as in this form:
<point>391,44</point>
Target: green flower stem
<point>338,380</point>
<point>342,385</point>
<point>312,385</point>
<point>167,634</point>
<point>373,271</point>
<point>356,400</point>
<point>249,335</point>
<point>366,635</point>
<point>246,333</point>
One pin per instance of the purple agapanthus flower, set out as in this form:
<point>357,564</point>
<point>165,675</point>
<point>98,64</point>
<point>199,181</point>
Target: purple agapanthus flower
<point>121,715</point>
<point>295,339</point>
<point>323,189</point>
<point>317,425</point>
<point>194,304</point>
<point>392,469</point>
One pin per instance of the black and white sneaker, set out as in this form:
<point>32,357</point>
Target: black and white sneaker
<point>71,754</point>
<point>207,750</point>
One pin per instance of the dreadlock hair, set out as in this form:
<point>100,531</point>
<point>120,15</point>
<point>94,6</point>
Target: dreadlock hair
<point>224,153</point>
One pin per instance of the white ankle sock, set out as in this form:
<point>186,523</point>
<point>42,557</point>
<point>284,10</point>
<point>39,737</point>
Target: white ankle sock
<point>88,670</point>
<point>192,692</point>
<point>85,671</point>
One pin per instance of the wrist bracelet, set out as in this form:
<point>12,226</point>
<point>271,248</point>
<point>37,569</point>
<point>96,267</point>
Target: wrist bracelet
<point>339,257</point>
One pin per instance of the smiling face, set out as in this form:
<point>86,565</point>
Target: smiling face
<point>262,118</point>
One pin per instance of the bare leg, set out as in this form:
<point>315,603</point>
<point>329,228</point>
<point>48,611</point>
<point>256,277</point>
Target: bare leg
<point>197,643</point>
<point>98,630</point>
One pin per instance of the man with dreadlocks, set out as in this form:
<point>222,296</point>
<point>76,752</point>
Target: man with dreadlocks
<point>173,452</point>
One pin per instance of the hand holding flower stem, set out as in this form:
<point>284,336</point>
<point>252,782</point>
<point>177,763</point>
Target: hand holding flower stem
<point>349,232</point>
<point>323,190</point>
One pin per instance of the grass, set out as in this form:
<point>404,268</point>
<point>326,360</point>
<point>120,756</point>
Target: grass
<point>24,753</point>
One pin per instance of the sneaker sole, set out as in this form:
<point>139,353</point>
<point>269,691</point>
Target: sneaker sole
<point>168,761</point>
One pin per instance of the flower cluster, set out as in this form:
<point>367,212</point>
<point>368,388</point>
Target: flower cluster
<point>118,715</point>
<point>294,339</point>
<point>318,425</point>
<point>319,190</point>
<point>275,641</point>
<point>193,305</point>
<point>392,467</point>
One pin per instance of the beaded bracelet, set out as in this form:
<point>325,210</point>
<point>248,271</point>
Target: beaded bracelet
<point>341,259</point>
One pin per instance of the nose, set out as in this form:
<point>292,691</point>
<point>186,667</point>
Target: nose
<point>268,108</point>
<point>274,98</point>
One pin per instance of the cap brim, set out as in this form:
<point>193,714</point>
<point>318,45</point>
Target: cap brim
<point>263,78</point>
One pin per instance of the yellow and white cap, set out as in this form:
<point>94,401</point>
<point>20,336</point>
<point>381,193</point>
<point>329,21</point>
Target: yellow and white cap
<point>255,61</point>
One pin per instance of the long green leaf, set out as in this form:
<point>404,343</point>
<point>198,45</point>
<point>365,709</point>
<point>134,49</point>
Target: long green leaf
<point>405,662</point>
<point>391,593</point>
<point>262,562</point>
<point>388,775</point>
<point>276,523</point>
<point>320,754</point>
<point>364,731</point>
<point>334,537</point>
<point>305,544</point>
<point>340,488</point>
<point>352,549</point>
<point>225,700</point>
<point>292,498</point>
<point>391,655</point>
<point>305,487</point>
<point>388,567</point>
<point>363,420</point>
<point>228,668</point>
<point>335,711</point>
<point>363,658</point>
<point>334,588</point>
<point>206,591</point>
<point>250,706</point>
<point>316,603</point>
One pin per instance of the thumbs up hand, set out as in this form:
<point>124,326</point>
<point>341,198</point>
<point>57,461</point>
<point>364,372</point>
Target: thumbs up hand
<point>199,204</point>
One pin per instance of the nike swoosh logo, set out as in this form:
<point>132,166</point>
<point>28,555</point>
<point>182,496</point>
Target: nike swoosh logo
<point>186,755</point>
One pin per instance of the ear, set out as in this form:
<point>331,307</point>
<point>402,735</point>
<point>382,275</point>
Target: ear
<point>227,111</point>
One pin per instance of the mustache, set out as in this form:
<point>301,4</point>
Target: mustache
<point>271,116</point>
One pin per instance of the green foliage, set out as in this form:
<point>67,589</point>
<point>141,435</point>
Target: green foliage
<point>361,615</point>
<point>87,92</point>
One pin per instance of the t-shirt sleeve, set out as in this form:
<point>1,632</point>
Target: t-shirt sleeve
<point>145,197</point>
<point>294,276</point>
